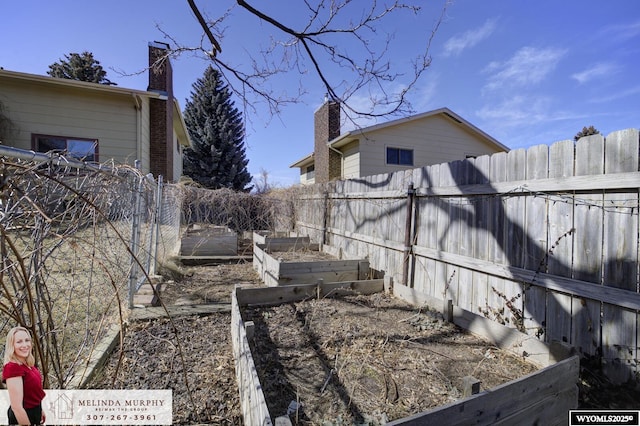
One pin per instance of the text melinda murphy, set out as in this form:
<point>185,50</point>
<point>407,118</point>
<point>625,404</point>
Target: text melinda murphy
<point>102,406</point>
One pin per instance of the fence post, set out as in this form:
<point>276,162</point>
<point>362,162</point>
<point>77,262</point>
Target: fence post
<point>411,193</point>
<point>135,238</point>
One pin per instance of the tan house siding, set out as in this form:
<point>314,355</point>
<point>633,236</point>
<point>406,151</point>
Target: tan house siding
<point>177,153</point>
<point>433,137</point>
<point>307,181</point>
<point>443,140</point>
<point>307,178</point>
<point>63,111</point>
<point>145,133</point>
<point>351,160</point>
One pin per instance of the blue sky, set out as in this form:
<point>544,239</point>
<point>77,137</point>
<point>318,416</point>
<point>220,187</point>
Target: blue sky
<point>527,73</point>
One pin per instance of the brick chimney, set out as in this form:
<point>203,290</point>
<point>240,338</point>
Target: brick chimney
<point>161,112</point>
<point>326,128</point>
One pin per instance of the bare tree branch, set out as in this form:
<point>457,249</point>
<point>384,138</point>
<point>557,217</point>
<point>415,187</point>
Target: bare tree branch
<point>341,42</point>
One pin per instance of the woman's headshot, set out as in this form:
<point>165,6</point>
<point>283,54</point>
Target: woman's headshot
<point>23,379</point>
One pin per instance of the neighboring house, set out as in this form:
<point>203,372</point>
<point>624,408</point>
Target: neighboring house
<point>97,122</point>
<point>432,137</point>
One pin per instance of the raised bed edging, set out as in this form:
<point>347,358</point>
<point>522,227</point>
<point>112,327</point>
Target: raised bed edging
<point>267,237</point>
<point>252,402</point>
<point>275,272</point>
<point>543,397</point>
<point>209,241</point>
<point>99,355</point>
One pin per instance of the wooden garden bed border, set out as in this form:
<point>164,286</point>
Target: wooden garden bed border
<point>545,396</point>
<point>274,272</point>
<point>276,238</point>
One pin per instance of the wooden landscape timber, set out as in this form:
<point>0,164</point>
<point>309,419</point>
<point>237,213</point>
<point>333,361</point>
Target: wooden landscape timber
<point>277,272</point>
<point>543,397</point>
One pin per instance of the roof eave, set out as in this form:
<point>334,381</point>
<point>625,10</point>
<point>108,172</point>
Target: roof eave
<point>84,85</point>
<point>303,162</point>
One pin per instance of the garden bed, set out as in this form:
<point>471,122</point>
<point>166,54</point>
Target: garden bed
<point>291,263</point>
<point>209,240</point>
<point>199,373</point>
<point>374,358</point>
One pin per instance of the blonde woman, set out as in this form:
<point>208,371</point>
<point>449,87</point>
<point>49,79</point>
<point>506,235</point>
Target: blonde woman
<point>23,379</point>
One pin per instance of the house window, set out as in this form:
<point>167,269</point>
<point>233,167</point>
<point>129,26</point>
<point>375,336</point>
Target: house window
<point>310,171</point>
<point>78,148</point>
<point>403,157</point>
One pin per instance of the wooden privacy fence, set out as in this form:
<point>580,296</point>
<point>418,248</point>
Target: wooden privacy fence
<point>543,240</point>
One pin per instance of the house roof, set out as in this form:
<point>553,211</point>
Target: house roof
<point>352,135</point>
<point>64,82</point>
<point>178,121</point>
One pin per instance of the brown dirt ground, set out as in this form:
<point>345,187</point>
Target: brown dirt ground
<point>301,255</point>
<point>368,359</point>
<point>382,361</point>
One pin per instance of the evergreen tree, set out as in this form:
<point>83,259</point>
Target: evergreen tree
<point>586,131</point>
<point>216,158</point>
<point>80,66</point>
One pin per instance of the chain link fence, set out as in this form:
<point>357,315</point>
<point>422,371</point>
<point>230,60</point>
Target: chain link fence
<point>77,241</point>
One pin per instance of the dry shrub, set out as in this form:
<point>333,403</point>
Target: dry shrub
<point>239,211</point>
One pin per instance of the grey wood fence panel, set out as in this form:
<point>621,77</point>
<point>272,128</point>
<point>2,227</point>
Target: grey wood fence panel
<point>515,208</point>
<point>481,235</point>
<point>620,233</point>
<point>536,241</point>
<point>415,266</point>
<point>436,222</point>
<point>397,180</point>
<point>356,210</point>
<point>466,230</point>
<point>446,280</point>
<point>515,238</point>
<point>454,233</point>
<point>495,308</point>
<point>559,311</point>
<point>382,218</point>
<point>620,269</point>
<point>426,229</point>
<point>587,251</point>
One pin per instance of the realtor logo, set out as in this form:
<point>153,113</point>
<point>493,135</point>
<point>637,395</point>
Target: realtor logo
<point>62,406</point>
